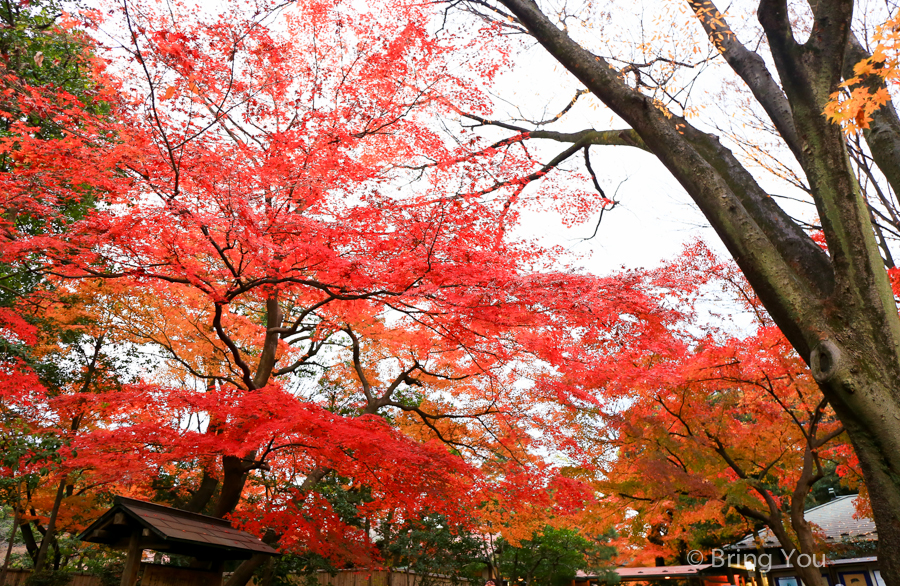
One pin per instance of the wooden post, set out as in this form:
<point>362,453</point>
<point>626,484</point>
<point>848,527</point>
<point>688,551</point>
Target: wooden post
<point>133,561</point>
<point>218,566</point>
<point>12,540</point>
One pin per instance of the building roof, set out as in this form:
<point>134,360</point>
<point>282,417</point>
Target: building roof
<point>665,572</point>
<point>844,562</point>
<point>662,571</point>
<point>834,519</point>
<point>173,531</point>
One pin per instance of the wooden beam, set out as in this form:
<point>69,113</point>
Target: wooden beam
<point>101,534</point>
<point>133,561</point>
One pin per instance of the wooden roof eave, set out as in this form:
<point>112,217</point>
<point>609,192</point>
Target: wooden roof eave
<point>98,532</point>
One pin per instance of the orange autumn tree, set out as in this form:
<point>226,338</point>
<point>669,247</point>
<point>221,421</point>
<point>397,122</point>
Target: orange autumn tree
<point>866,91</point>
<point>71,359</point>
<point>710,436</point>
<point>735,428</point>
<point>320,278</point>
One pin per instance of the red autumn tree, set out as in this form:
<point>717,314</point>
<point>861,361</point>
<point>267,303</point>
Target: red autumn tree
<point>55,137</point>
<point>323,276</point>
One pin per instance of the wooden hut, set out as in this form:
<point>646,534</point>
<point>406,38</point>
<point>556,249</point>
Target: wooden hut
<point>136,526</point>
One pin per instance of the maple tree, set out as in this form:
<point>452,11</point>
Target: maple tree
<point>279,220</point>
<point>866,91</point>
<point>324,276</point>
<point>431,547</point>
<point>834,306</point>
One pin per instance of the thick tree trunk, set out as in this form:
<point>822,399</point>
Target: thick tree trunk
<point>871,437</point>
<point>837,310</point>
<point>244,572</point>
<point>234,469</point>
<point>31,546</point>
<point>268,573</point>
<point>234,476</point>
<point>810,575</point>
<point>204,493</point>
<point>805,566</point>
<point>50,534</point>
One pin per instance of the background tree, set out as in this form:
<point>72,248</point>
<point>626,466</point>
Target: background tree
<point>554,556</point>
<point>701,437</point>
<point>50,98</point>
<point>432,546</point>
<point>732,429</point>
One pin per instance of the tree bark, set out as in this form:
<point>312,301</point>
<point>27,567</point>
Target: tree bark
<point>269,355</point>
<point>234,476</point>
<point>204,493</point>
<point>50,534</point>
<point>31,545</point>
<point>837,310</point>
<point>245,571</point>
<point>9,548</point>
<point>268,572</point>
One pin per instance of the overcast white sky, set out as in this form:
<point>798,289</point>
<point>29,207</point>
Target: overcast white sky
<point>655,217</point>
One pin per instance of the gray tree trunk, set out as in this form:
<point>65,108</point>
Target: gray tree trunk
<point>836,309</point>
<point>50,534</point>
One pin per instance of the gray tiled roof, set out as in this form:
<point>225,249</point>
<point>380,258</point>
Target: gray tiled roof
<point>834,519</point>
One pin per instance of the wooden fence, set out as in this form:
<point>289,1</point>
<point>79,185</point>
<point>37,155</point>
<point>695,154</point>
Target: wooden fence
<point>18,577</point>
<point>155,575</point>
<point>381,578</point>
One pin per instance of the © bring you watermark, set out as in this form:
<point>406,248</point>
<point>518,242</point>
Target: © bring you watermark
<point>763,561</point>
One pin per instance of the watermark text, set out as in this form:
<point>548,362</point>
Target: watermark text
<point>751,561</point>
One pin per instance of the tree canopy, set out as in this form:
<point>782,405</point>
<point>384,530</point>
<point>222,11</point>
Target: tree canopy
<point>282,251</point>
<point>264,261</point>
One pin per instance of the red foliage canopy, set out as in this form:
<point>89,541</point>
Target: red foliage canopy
<point>321,276</point>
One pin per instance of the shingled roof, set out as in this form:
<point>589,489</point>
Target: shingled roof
<point>834,519</point>
<point>173,531</point>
